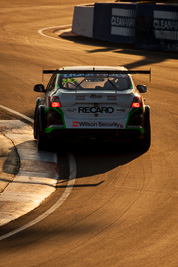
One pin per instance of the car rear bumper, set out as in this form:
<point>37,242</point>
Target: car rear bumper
<point>111,135</point>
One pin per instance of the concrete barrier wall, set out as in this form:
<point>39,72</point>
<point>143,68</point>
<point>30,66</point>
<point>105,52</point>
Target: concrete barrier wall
<point>83,20</point>
<point>114,22</point>
<point>147,26</point>
<point>157,27</point>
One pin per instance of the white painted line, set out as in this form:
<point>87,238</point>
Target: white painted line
<point>17,113</point>
<point>34,182</point>
<point>112,47</point>
<point>69,187</point>
<point>53,27</point>
<point>70,184</point>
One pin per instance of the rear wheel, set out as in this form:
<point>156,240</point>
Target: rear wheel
<point>40,127</point>
<point>41,140</point>
<point>35,125</point>
<point>146,141</point>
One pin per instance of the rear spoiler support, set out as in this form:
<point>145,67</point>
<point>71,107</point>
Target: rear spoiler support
<point>108,72</point>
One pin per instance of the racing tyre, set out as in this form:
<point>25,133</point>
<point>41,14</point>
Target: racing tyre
<point>40,126</point>
<point>41,140</point>
<point>146,141</point>
<point>35,125</point>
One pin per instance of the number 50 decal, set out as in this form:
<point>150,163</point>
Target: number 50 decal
<point>69,80</point>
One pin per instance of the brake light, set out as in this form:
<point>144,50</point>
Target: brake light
<point>54,102</point>
<point>137,102</point>
<point>135,105</point>
<point>55,105</point>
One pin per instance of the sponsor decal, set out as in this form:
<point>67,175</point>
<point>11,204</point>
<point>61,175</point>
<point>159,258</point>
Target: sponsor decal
<point>111,97</point>
<point>70,75</point>
<point>165,25</point>
<point>95,96</point>
<point>88,124</point>
<point>123,22</point>
<point>75,124</point>
<point>97,124</point>
<point>80,97</point>
<point>95,110</point>
<point>114,124</point>
<point>69,80</point>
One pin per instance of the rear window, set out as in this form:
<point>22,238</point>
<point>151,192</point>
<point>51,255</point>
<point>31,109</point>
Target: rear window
<point>118,82</point>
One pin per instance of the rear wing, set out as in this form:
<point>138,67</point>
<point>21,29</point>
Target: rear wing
<point>99,72</point>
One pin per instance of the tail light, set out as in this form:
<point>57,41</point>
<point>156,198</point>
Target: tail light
<point>137,102</point>
<point>54,102</point>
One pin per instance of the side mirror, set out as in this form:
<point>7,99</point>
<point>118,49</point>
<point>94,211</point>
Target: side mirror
<point>39,88</point>
<point>142,88</point>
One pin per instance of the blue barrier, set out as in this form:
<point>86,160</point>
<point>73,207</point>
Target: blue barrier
<point>114,22</point>
<point>148,26</point>
<point>157,27</point>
